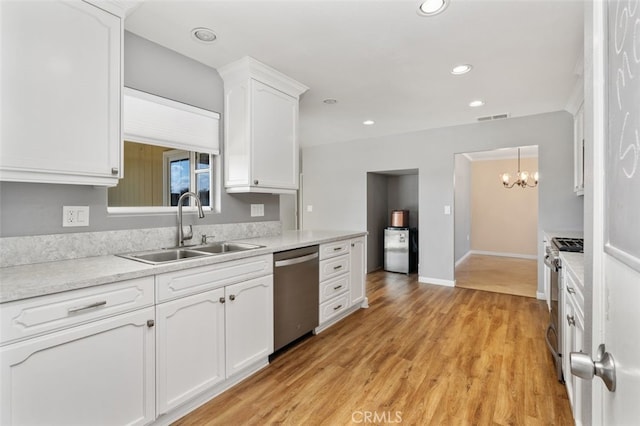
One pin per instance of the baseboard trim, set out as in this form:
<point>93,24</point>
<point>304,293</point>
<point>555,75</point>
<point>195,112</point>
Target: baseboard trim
<point>463,258</point>
<point>437,281</point>
<point>495,253</point>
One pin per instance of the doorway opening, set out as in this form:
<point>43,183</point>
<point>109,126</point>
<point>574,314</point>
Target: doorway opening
<point>387,191</point>
<point>496,228</point>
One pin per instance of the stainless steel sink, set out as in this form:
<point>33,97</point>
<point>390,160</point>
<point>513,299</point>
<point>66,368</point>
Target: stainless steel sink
<point>177,254</point>
<point>218,248</point>
<point>164,255</point>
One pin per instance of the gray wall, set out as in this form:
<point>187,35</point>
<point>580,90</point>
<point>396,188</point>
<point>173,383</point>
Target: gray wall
<point>336,179</point>
<point>403,195</point>
<point>462,206</point>
<point>35,209</point>
<point>377,219</point>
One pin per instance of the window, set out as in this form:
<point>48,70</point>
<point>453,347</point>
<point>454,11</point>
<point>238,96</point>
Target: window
<point>155,177</point>
<point>186,171</point>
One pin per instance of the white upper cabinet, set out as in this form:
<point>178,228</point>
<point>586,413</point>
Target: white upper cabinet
<point>261,128</point>
<point>60,93</point>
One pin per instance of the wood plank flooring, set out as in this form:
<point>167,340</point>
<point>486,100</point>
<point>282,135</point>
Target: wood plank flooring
<point>420,354</point>
<point>499,274</point>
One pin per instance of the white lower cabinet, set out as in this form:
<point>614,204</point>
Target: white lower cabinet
<point>572,338</point>
<point>100,373</point>
<point>190,347</point>
<point>342,280</point>
<point>357,270</point>
<point>211,338</point>
<point>248,323</point>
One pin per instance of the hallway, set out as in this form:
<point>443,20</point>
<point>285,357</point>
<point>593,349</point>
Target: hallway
<point>507,275</point>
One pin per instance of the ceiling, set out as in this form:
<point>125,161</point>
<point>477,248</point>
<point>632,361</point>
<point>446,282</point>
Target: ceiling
<point>382,61</point>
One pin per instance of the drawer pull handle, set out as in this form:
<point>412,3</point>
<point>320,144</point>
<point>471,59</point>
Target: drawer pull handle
<point>82,308</point>
<point>335,268</point>
<point>337,307</point>
<point>571,320</point>
<point>337,248</point>
<point>337,287</point>
<point>570,290</point>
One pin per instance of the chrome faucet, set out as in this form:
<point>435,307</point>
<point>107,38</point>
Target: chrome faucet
<point>181,236</point>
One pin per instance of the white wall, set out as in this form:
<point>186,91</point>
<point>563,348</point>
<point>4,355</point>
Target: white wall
<point>377,219</point>
<point>336,180</point>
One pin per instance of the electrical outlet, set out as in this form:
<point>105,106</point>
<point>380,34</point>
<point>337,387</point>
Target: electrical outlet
<point>257,210</point>
<point>75,216</point>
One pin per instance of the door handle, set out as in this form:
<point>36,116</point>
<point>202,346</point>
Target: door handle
<point>604,367</point>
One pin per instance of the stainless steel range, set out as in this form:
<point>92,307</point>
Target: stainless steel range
<point>552,260</point>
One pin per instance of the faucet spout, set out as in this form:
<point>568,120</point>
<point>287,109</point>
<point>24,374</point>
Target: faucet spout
<point>181,236</point>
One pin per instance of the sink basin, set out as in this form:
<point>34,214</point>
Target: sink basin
<point>217,248</point>
<point>177,254</point>
<point>164,256</point>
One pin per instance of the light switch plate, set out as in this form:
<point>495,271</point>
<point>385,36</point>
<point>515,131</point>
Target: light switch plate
<point>75,216</point>
<point>257,210</point>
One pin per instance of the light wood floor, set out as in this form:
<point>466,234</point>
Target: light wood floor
<point>507,275</point>
<point>421,353</point>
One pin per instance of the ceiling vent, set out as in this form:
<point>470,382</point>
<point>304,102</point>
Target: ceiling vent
<point>494,117</point>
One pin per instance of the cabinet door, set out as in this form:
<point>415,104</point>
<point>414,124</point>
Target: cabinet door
<point>248,322</point>
<point>190,347</point>
<point>274,148</point>
<point>101,373</point>
<point>357,271</point>
<point>61,91</point>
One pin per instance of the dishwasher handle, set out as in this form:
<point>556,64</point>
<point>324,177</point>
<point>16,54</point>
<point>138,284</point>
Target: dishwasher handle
<point>295,260</point>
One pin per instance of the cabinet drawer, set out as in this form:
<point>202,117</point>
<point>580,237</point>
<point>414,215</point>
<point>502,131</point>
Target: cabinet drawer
<point>334,249</point>
<point>190,281</point>
<point>334,287</point>
<point>31,317</point>
<point>333,267</point>
<point>574,293</point>
<point>333,307</point>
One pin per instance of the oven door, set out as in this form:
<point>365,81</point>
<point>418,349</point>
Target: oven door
<point>554,330</point>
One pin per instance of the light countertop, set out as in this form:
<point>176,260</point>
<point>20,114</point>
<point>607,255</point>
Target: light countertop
<point>574,262</point>
<point>39,279</point>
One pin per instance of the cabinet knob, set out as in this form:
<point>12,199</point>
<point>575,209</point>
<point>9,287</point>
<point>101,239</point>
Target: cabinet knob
<point>114,170</point>
<point>221,300</point>
<point>150,323</point>
<point>232,297</point>
<point>256,181</point>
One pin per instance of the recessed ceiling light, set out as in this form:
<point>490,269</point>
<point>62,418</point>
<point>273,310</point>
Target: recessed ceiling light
<point>204,35</point>
<point>476,103</point>
<point>461,69</point>
<point>368,122</point>
<point>330,101</point>
<point>432,7</point>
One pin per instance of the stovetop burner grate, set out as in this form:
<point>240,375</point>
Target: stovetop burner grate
<point>569,244</point>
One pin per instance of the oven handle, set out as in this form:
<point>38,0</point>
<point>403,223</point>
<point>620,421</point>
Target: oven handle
<point>546,338</point>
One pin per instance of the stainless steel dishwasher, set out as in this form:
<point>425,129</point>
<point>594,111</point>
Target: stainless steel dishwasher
<point>295,294</point>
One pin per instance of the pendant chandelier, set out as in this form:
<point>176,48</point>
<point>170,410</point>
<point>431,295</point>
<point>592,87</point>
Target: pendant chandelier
<point>523,178</point>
